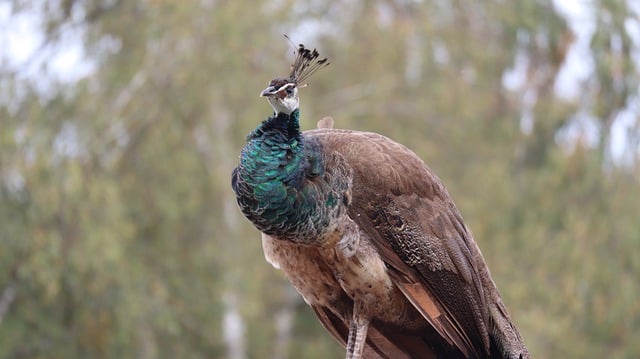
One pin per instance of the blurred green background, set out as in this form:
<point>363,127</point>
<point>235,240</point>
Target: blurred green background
<point>119,232</point>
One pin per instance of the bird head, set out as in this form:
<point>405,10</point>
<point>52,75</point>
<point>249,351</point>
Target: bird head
<point>282,92</point>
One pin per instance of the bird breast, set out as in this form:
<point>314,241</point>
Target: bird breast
<point>345,269</point>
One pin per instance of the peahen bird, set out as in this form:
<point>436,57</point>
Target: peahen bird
<point>369,236</point>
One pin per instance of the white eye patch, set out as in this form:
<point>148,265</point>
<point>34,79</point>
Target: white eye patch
<point>285,86</point>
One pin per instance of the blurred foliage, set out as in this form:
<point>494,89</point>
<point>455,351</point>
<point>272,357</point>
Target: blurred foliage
<point>120,235</point>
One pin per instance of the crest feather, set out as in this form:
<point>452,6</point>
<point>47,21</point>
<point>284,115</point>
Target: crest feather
<point>305,64</point>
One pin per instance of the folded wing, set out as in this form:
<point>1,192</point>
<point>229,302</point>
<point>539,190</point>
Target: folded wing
<point>410,218</point>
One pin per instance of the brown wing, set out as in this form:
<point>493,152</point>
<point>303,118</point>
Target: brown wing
<point>419,233</point>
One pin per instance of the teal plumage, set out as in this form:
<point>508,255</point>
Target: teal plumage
<point>281,184</point>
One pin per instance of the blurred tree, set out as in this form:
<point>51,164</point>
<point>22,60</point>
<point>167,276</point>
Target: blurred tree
<point>120,235</point>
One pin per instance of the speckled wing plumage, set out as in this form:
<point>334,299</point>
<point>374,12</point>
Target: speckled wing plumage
<point>430,254</point>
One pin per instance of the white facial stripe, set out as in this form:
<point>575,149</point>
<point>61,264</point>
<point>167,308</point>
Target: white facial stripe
<point>284,87</point>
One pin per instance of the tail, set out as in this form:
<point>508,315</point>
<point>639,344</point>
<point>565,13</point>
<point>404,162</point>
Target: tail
<point>505,340</point>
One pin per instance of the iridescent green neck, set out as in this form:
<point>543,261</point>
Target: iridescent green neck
<point>270,182</point>
<point>282,124</point>
<point>273,157</point>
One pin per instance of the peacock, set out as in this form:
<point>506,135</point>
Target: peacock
<point>368,235</point>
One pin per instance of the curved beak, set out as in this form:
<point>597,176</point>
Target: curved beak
<point>269,91</point>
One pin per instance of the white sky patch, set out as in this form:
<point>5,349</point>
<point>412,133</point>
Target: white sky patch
<point>625,133</point>
<point>19,35</point>
<point>578,65</point>
<point>581,129</point>
<point>67,143</point>
<point>515,78</point>
<point>69,63</point>
<point>624,145</point>
<point>26,54</point>
<point>634,5</point>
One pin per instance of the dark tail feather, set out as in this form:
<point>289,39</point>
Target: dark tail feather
<point>385,342</point>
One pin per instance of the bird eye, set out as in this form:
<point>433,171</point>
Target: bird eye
<point>290,90</point>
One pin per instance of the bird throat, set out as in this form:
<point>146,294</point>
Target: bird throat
<point>279,183</point>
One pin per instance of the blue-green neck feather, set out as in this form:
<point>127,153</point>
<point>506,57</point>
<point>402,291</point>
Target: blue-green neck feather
<point>283,124</point>
<point>275,155</point>
<point>272,181</point>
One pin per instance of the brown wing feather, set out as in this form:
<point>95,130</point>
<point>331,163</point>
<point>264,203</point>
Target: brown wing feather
<point>435,264</point>
<point>417,230</point>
